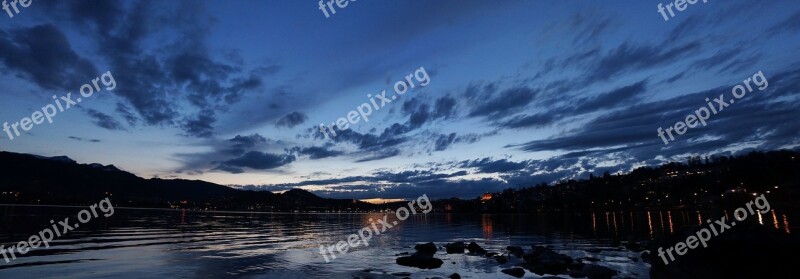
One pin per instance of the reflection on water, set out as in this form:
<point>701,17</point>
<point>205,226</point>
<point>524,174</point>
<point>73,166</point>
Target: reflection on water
<point>189,244</point>
<point>486,224</point>
<point>670,222</point>
<point>775,220</point>
<point>786,224</point>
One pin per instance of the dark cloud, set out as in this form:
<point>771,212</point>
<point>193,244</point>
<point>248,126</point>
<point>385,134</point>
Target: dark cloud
<point>374,146</point>
<point>606,100</point>
<point>444,141</point>
<point>629,57</point>
<point>420,112</point>
<point>487,165</point>
<point>445,107</point>
<point>611,99</point>
<point>525,121</point>
<point>256,160</point>
<point>246,142</point>
<point>126,113</point>
<point>789,25</point>
<point>291,120</point>
<point>756,118</point>
<point>225,151</point>
<point>104,120</point>
<point>84,139</point>
<point>505,101</point>
<point>379,155</point>
<point>588,27</point>
<point>156,76</point>
<point>201,125</point>
<point>44,55</point>
<point>717,59</point>
<point>317,152</point>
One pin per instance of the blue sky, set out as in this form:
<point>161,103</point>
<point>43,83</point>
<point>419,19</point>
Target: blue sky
<point>521,92</point>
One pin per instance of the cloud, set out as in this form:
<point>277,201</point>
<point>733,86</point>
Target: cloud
<point>444,141</point>
<point>606,100</point>
<point>126,114</point>
<point>256,160</point>
<point>629,57</point>
<point>790,25</point>
<point>231,154</point>
<point>201,125</point>
<point>507,100</point>
<point>487,165</point>
<point>162,82</point>
<point>84,139</point>
<point>611,99</point>
<point>104,120</point>
<point>757,118</point>
<point>291,120</point>
<point>380,155</point>
<point>247,142</point>
<point>317,152</point>
<point>44,55</point>
<point>524,121</point>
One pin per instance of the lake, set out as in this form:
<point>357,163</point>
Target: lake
<point>158,243</point>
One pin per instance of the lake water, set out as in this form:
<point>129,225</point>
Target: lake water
<point>141,243</point>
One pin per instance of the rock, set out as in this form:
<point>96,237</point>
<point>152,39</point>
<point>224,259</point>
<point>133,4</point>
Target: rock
<point>455,248</point>
<point>577,274</point>
<point>402,254</point>
<point>645,256</point>
<point>635,247</point>
<point>547,261</point>
<point>537,250</point>
<point>423,258</point>
<point>454,276</point>
<point>598,272</point>
<point>420,260</point>
<point>594,250</point>
<point>590,259</point>
<point>516,251</point>
<point>576,266</point>
<point>491,254</point>
<point>474,248</point>
<point>427,248</point>
<point>516,272</point>
<point>748,250</point>
<point>501,259</point>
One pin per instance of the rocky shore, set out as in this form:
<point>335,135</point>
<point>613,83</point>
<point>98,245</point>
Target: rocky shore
<point>539,260</point>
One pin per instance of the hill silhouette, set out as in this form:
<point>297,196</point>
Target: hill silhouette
<point>32,179</point>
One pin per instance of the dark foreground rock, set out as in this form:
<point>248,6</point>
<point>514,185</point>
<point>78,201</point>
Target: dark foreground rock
<point>544,260</point>
<point>474,248</point>
<point>423,258</point>
<point>516,251</point>
<point>516,272</point>
<point>420,260</point>
<point>427,248</point>
<point>745,250</point>
<point>455,248</point>
<point>593,271</point>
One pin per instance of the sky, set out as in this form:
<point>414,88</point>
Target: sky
<point>507,94</point>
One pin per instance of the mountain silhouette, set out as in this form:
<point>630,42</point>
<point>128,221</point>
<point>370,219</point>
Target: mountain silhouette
<point>33,179</point>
